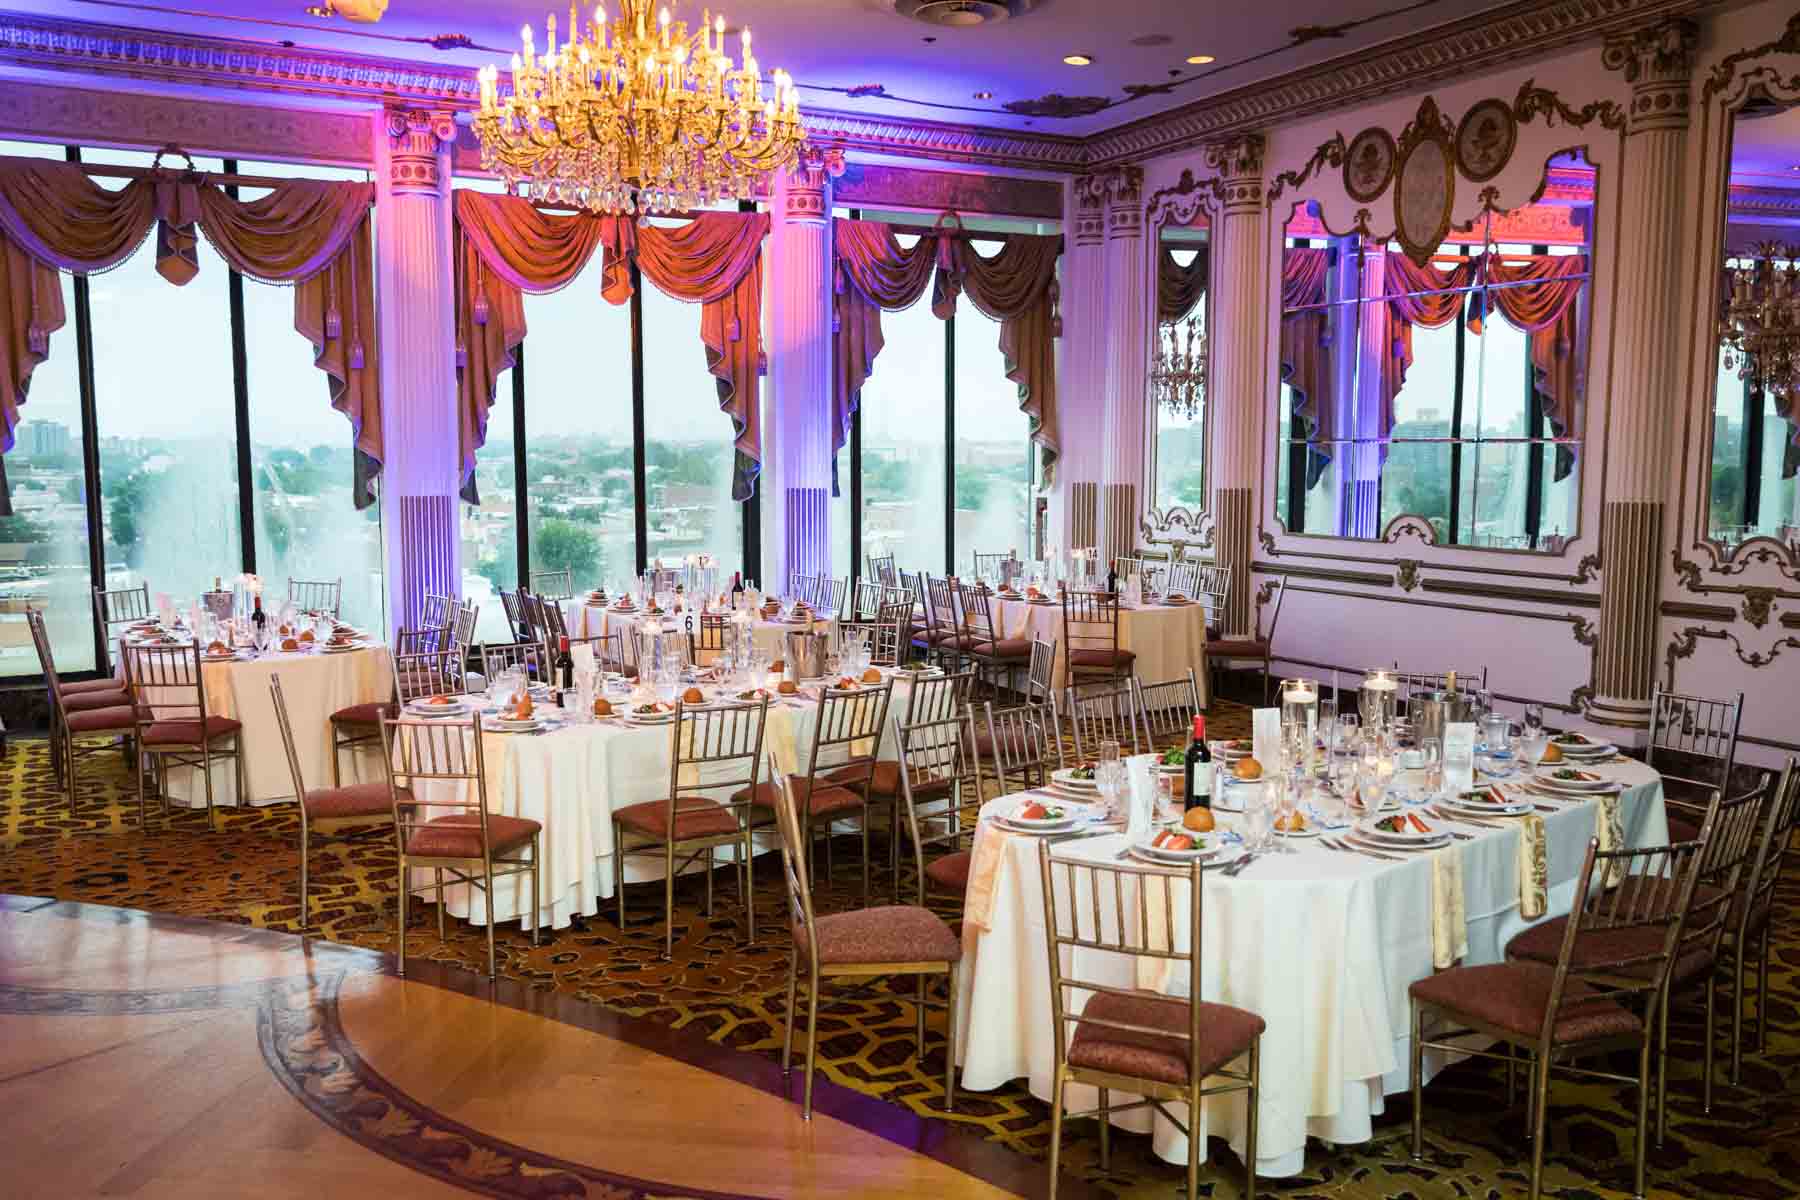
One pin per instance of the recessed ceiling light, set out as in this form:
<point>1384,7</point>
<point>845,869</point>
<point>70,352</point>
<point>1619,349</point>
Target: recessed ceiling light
<point>984,95</point>
<point>1079,60</point>
<point>1199,60</point>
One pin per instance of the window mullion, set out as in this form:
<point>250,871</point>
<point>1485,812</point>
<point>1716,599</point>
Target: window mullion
<point>950,445</point>
<point>1456,419</point>
<point>521,494</point>
<point>639,464</point>
<point>90,442</point>
<point>240,396</point>
<point>1754,399</point>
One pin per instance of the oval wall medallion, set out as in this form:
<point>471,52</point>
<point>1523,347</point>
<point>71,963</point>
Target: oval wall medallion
<point>1485,140</point>
<point>1424,190</point>
<point>1369,164</point>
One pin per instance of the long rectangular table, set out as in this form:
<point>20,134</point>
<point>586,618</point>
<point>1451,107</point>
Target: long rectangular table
<point>1323,945</point>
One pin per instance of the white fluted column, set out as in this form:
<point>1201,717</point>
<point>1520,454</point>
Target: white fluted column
<point>1236,397</point>
<point>1080,464</point>
<point>1646,404</point>
<point>796,483</point>
<point>1124,397</point>
<point>421,526</point>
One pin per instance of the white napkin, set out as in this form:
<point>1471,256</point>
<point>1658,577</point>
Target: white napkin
<point>1265,727</point>
<point>1141,802</point>
<point>1459,757</point>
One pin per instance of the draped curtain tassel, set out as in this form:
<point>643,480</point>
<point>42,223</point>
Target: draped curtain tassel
<point>37,338</point>
<point>356,346</point>
<point>481,299</point>
<point>334,321</point>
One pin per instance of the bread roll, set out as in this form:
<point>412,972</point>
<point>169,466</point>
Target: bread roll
<point>602,707</point>
<point>788,687</point>
<point>1247,768</point>
<point>871,676</point>
<point>693,696</point>
<point>1552,753</point>
<point>1200,820</point>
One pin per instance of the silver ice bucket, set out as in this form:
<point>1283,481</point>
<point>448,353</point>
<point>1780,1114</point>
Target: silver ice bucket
<point>806,655</point>
<point>1431,711</point>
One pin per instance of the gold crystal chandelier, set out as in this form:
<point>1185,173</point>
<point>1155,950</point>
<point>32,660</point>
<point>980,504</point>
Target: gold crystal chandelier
<point>641,116</point>
<point>1178,368</point>
<point>1760,329</point>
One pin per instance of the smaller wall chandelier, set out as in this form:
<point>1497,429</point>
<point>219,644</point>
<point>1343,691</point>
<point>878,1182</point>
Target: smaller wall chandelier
<point>1759,332</point>
<point>638,116</point>
<point>1178,368</point>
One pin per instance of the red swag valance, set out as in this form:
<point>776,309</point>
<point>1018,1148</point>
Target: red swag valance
<point>1305,351</point>
<point>312,234</point>
<point>1017,287</point>
<point>1179,288</point>
<point>505,247</point>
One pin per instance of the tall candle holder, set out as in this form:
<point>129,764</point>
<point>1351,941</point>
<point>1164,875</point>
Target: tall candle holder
<point>1380,693</point>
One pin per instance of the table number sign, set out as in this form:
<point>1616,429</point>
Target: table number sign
<point>1459,757</point>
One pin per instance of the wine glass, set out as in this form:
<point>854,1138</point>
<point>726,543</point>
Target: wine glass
<point>1109,775</point>
<point>1533,743</point>
<point>1534,718</point>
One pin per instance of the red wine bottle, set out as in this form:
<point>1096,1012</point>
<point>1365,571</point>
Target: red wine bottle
<point>1198,771</point>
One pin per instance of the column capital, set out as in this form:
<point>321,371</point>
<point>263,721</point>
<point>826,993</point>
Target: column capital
<point>418,138</point>
<point>1658,62</point>
<point>1238,163</point>
<point>1108,205</point>
<point>806,187</point>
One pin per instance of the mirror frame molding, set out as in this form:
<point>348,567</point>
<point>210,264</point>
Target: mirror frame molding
<point>1178,204</point>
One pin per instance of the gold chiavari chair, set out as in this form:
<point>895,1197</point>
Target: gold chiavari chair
<point>803,587</point>
<point>1167,710</point>
<point>174,724</point>
<point>1726,845</point>
<point>325,811</point>
<point>847,729</point>
<point>1578,1005</point>
<point>1693,746</point>
<point>317,595</point>
<point>437,782</point>
<point>1166,1049</point>
<point>418,674</point>
<point>709,642</point>
<point>78,714</point>
<point>554,585</point>
<point>436,614</point>
<point>991,564</point>
<point>713,753</point>
<point>1259,646</point>
<point>943,618</point>
<point>117,610</point>
<point>1102,712</point>
<point>1091,627</point>
<point>496,660</point>
<point>1020,742</point>
<point>881,569</point>
<point>830,593</point>
<point>937,775</point>
<point>1753,909</point>
<point>861,944</point>
<point>515,616</point>
<point>992,654</point>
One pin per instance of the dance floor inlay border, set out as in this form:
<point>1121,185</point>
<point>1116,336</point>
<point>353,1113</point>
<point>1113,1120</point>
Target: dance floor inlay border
<point>304,1043</point>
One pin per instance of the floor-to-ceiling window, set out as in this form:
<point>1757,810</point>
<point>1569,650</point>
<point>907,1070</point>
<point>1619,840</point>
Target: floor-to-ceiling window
<point>904,502</point>
<point>992,460</point>
<point>203,406</point>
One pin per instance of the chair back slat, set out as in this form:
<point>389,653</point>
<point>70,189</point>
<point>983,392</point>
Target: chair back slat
<point>515,618</point>
<point>1040,674</point>
<point>316,595</point>
<point>436,613</point>
<point>851,718</point>
<point>1098,915</point>
<point>554,585</point>
<point>1693,739</point>
<point>1102,712</point>
<point>1415,682</point>
<point>40,639</point>
<point>426,673</point>
<point>168,679</point>
<point>287,739</point>
<point>1020,740</point>
<point>1167,710</point>
<point>937,774</point>
<point>1655,886</point>
<point>881,567</point>
<point>940,605</point>
<point>1091,625</point>
<point>496,660</point>
<point>976,620</point>
<point>716,752</point>
<point>937,698</point>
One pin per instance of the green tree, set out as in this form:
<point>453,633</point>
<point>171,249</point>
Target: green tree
<point>502,570</point>
<point>971,489</point>
<point>563,544</point>
<point>72,489</point>
<point>21,528</point>
<point>124,507</point>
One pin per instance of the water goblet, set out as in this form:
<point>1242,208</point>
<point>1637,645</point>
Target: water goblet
<point>1534,718</point>
<point>1259,820</point>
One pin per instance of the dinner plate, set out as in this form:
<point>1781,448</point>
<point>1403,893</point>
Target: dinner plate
<point>1410,838</point>
<point>1504,807</point>
<point>511,725</point>
<point>227,656</point>
<point>661,718</point>
<point>1586,748</point>
<point>1578,787</point>
<point>1210,847</point>
<point>1313,829</point>
<point>1060,825</point>
<point>327,648</point>
<point>1066,778</point>
<point>455,708</point>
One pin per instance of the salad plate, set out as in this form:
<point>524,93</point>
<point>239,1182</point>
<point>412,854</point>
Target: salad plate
<point>512,724</point>
<point>1580,745</point>
<point>445,707</point>
<point>1235,749</point>
<point>1575,781</point>
<point>1179,846</point>
<point>1407,831</point>
<point>1486,802</point>
<point>650,712</point>
<point>1038,816</point>
<point>1076,779</point>
<point>1173,761</point>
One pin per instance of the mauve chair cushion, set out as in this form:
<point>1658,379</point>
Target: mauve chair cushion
<point>78,686</point>
<point>1016,743</point>
<point>352,800</point>
<point>366,714</point>
<point>1101,658</point>
<point>86,701</point>
<point>187,731</point>
<point>695,817</point>
<point>120,717</point>
<point>895,933</point>
<point>1238,648</point>
<point>459,836</point>
<point>1514,996</point>
<point>1225,1033</point>
<point>885,780</point>
<point>951,871</point>
<point>824,799</point>
<point>1014,647</point>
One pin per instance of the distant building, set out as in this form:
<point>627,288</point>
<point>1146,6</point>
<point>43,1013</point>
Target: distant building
<point>45,439</point>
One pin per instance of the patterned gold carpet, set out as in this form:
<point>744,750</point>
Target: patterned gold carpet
<point>248,872</point>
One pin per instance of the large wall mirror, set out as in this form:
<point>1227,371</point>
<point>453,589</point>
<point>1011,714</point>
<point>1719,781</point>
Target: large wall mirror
<point>1452,391</point>
<point>1178,364</point>
<point>1755,455</point>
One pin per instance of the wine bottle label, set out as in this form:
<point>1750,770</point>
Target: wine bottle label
<point>1203,781</point>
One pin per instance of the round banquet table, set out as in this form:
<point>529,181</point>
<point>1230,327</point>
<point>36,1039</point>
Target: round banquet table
<point>1167,639</point>
<point>572,776</point>
<point>1322,945</point>
<point>594,620</point>
<point>315,685</point>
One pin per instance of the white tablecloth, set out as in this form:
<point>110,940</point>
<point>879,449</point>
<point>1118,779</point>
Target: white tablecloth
<point>570,780</point>
<point>1167,640</point>
<point>588,620</point>
<point>1323,945</point>
<point>315,685</point>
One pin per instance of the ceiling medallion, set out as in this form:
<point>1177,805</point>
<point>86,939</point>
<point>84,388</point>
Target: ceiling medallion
<point>640,116</point>
<point>366,11</point>
<point>1058,105</point>
<point>958,14</point>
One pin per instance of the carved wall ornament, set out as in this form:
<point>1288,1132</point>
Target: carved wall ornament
<point>1657,52</point>
<point>1406,573</point>
<point>1583,630</point>
<point>1588,569</point>
<point>1180,202</point>
<point>1369,164</point>
<point>1720,77</point>
<point>1424,183</point>
<point>1179,528</point>
<point>1328,154</point>
<point>1235,158</point>
<point>1758,601</point>
<point>415,137</point>
<point>1406,525</point>
<point>1267,542</point>
<point>1485,138</point>
<point>1533,102</point>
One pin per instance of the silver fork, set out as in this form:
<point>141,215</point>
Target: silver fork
<point>1347,848</point>
<point>1236,868</point>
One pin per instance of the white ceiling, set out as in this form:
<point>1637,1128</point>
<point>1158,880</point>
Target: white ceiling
<point>850,43</point>
<point>1766,149</point>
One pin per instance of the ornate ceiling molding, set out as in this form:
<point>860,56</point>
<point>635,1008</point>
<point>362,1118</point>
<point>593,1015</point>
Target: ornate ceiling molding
<point>1521,29</point>
<point>1525,28</point>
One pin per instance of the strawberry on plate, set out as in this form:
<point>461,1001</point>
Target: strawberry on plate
<point>1033,812</point>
